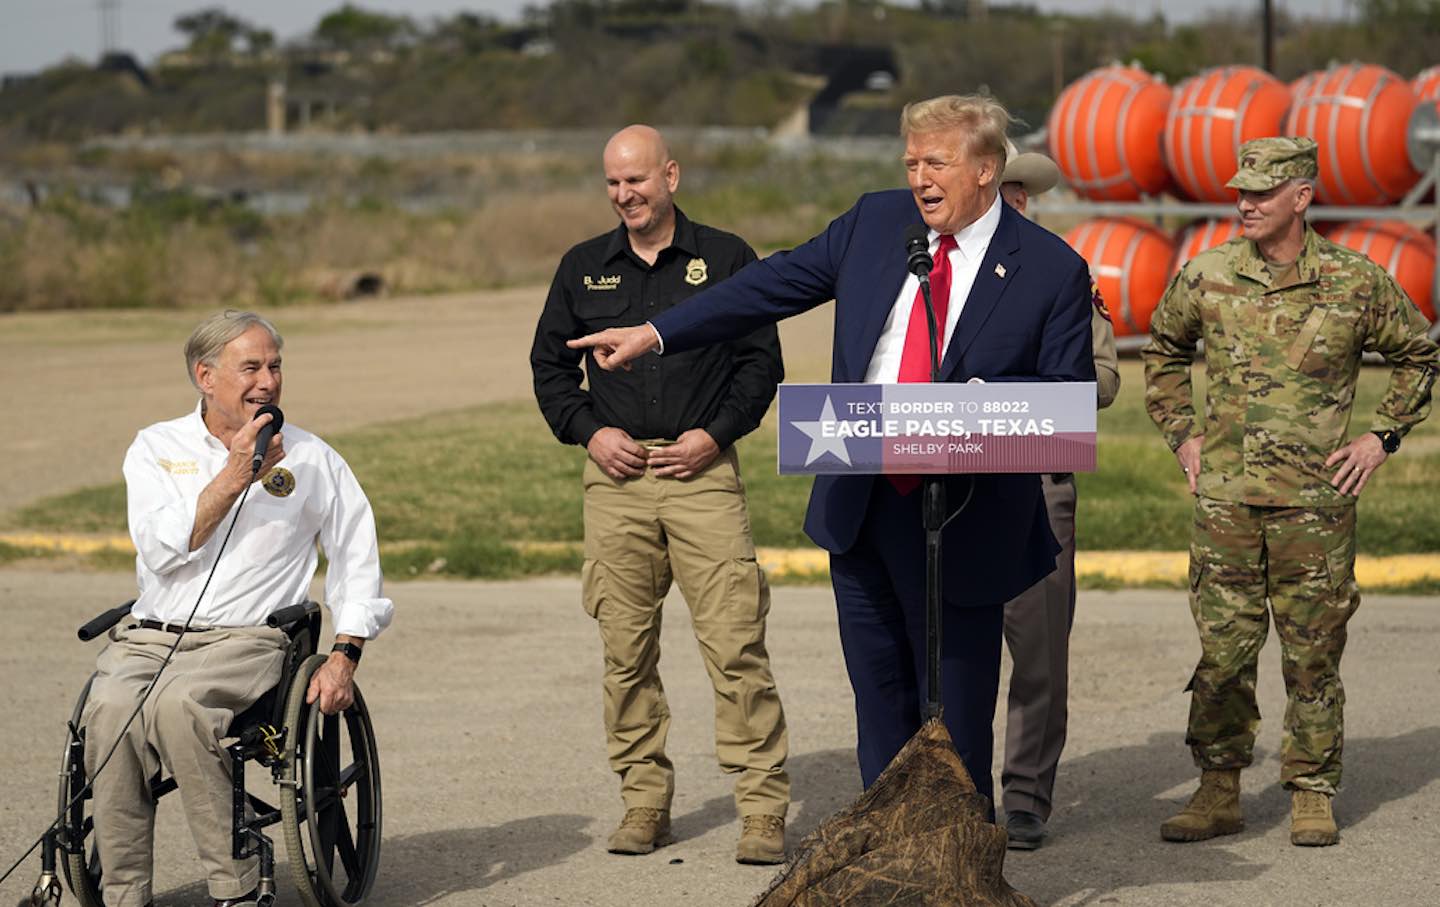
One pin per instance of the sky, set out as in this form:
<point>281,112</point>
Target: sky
<point>37,33</point>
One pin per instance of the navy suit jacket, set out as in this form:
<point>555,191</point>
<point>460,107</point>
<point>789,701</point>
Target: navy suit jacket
<point>1031,324</point>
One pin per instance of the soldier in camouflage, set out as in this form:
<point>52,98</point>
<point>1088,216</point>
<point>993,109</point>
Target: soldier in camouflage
<point>1285,315</point>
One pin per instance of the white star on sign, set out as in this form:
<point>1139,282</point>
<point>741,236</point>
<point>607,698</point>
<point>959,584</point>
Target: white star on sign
<point>819,444</point>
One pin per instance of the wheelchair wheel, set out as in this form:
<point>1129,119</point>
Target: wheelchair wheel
<point>330,797</point>
<point>82,870</point>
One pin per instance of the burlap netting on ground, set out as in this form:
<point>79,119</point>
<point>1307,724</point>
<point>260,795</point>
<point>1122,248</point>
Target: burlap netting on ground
<point>918,836</point>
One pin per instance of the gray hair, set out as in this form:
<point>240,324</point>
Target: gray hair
<point>212,334</point>
<point>984,120</point>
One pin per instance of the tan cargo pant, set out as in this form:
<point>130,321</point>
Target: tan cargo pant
<point>639,533</point>
<point>214,675</point>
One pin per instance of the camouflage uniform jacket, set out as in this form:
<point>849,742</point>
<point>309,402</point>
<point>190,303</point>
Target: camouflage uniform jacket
<point>1281,364</point>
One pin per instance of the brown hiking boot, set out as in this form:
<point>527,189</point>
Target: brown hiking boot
<point>762,840</point>
<point>1213,810</point>
<point>641,831</point>
<point>1312,824</point>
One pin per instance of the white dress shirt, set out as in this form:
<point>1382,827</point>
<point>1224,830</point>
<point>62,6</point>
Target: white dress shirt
<point>271,558</point>
<point>970,245</point>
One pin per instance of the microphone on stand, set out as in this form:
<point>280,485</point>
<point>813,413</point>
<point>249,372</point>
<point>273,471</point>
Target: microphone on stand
<point>919,263</point>
<point>267,433</point>
<point>917,252</point>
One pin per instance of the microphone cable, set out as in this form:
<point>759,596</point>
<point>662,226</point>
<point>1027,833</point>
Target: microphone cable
<point>144,697</point>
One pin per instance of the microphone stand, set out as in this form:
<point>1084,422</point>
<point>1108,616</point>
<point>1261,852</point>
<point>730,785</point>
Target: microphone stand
<point>933,506</point>
<point>933,518</point>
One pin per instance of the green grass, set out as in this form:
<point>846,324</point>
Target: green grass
<point>464,493</point>
<point>95,509</point>
<point>10,553</point>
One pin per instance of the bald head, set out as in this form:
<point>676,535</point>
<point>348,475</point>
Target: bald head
<point>640,142</point>
<point>641,178</point>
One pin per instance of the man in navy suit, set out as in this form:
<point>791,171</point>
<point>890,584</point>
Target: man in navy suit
<point>1015,304</point>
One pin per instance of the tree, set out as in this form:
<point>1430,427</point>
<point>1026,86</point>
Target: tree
<point>1394,12</point>
<point>212,33</point>
<point>467,31</point>
<point>215,35</point>
<point>355,29</point>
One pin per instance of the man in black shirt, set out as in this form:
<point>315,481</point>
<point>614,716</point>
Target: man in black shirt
<point>663,495</point>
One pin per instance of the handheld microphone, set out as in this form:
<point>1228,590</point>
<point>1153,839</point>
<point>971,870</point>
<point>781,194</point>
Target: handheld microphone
<point>267,433</point>
<point>917,251</point>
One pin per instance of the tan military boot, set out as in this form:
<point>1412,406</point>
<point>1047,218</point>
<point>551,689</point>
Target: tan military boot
<point>641,831</point>
<point>1213,810</point>
<point>762,840</point>
<point>1312,824</point>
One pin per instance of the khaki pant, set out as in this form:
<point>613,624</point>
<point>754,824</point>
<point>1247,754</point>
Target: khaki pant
<point>1037,631</point>
<point>214,675</point>
<point>639,533</point>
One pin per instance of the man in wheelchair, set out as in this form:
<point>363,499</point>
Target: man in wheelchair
<point>184,479</point>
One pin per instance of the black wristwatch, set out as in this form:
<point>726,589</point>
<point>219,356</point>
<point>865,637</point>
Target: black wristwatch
<point>1389,440</point>
<point>350,650</point>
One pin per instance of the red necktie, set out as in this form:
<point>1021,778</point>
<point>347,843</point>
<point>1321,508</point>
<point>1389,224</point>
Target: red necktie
<point>915,356</point>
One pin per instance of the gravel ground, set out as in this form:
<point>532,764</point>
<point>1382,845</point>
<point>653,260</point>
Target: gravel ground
<point>487,707</point>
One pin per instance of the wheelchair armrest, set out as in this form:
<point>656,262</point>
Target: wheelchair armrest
<point>291,614</point>
<point>104,622</point>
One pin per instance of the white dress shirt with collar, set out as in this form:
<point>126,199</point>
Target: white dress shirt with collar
<point>970,245</point>
<point>271,558</point>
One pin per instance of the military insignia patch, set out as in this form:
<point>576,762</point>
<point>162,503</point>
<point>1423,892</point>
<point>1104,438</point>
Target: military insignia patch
<point>696,272</point>
<point>1099,301</point>
<point>279,482</point>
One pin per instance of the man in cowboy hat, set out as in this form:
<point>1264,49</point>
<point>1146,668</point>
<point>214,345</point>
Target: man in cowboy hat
<point>1037,622</point>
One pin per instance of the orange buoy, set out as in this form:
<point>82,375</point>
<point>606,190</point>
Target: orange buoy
<point>1427,84</point>
<point>1200,236</point>
<point>1129,261</point>
<point>1358,114</point>
<point>1299,86</point>
<point>1105,133</point>
<point>1211,115</point>
<point>1403,249</point>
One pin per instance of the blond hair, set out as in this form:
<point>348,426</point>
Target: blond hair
<point>984,121</point>
<point>211,335</point>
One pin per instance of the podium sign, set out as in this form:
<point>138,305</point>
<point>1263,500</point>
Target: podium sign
<point>852,429</point>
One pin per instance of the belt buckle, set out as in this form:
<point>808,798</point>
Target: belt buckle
<point>152,624</point>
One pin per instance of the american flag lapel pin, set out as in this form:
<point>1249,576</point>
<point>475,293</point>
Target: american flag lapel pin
<point>999,270</point>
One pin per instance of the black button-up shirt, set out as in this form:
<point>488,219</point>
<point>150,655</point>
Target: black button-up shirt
<point>601,283</point>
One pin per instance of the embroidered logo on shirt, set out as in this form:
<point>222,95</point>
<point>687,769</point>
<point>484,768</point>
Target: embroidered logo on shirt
<point>696,272</point>
<point>279,482</point>
<point>179,467</point>
<point>611,282</point>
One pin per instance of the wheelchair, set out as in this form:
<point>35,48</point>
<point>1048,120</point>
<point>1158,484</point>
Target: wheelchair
<point>319,763</point>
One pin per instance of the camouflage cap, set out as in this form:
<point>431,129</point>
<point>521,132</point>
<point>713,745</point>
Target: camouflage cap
<point>1266,163</point>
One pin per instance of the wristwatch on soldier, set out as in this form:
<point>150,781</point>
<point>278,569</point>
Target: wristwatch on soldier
<point>349,650</point>
<point>1389,440</point>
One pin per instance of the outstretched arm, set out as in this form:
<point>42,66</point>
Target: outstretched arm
<point>761,293</point>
